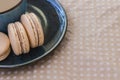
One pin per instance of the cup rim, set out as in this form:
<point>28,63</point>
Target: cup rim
<point>12,7</point>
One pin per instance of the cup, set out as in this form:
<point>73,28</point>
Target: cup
<point>10,11</point>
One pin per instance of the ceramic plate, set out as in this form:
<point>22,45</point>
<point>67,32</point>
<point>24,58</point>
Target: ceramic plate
<point>54,20</point>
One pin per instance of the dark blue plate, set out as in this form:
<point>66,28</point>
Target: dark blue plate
<point>54,23</point>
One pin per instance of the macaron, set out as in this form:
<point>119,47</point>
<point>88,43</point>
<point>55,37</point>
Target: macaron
<point>38,25</point>
<point>33,28</point>
<point>18,38</point>
<point>4,46</point>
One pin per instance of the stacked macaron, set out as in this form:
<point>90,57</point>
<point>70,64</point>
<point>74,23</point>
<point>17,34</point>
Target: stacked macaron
<point>34,29</point>
<point>25,34</point>
<point>18,38</point>
<point>22,35</point>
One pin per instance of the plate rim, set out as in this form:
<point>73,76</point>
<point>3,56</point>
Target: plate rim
<point>52,49</point>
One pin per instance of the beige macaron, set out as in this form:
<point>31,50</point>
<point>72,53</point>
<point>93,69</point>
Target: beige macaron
<point>39,28</point>
<point>18,38</point>
<point>34,29</point>
<point>4,46</point>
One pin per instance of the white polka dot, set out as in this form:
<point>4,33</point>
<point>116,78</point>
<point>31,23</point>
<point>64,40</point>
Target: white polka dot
<point>75,68</point>
<point>107,63</point>
<point>35,71</point>
<point>114,63</point>
<point>28,77</point>
<point>55,66</point>
<point>9,72</point>
<point>55,71</point>
<point>34,66</point>
<point>22,72</point>
<point>81,57</point>
<point>21,77</point>
<point>55,77</point>
<point>88,69</point>
<point>61,72</point>
<point>48,72</point>
<point>62,77</point>
<point>95,75</point>
<point>62,67</point>
<point>68,73</point>
<point>108,69</point>
<point>81,69</point>
<point>88,64</point>
<point>49,66</point>
<point>49,61</point>
<point>68,58</point>
<point>56,56</point>
<point>29,72</point>
<point>1,78</point>
<point>15,72</point>
<point>62,62</point>
<point>75,79</point>
<point>81,75</point>
<point>68,63</point>
<point>42,66</point>
<point>94,69</point>
<point>115,75</point>
<point>8,78</point>
<point>75,63</point>
<point>74,74</point>
<point>88,75</point>
<point>34,76</point>
<point>48,77</point>
<point>2,73</point>
<point>14,77</point>
<point>55,61</point>
<point>81,63</point>
<point>101,75</point>
<point>41,76</point>
<point>108,75</point>
<point>41,71</point>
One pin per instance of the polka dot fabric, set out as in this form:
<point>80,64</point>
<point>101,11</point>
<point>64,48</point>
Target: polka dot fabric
<point>89,51</point>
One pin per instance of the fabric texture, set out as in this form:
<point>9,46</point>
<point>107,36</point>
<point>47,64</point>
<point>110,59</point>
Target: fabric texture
<point>89,51</point>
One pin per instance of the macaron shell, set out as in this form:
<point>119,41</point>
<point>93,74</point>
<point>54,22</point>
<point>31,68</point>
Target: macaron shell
<point>14,39</point>
<point>39,28</point>
<point>34,29</point>
<point>6,54</point>
<point>28,27</point>
<point>23,37</point>
<point>4,42</point>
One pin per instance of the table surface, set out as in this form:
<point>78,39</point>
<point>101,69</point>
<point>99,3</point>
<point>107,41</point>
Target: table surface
<point>89,51</point>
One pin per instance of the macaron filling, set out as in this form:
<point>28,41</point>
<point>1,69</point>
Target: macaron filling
<point>18,33</point>
<point>23,37</point>
<point>37,29</point>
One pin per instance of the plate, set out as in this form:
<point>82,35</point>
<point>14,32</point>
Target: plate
<point>54,22</point>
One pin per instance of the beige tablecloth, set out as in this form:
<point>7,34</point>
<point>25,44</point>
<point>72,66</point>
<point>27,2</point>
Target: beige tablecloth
<point>89,51</point>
